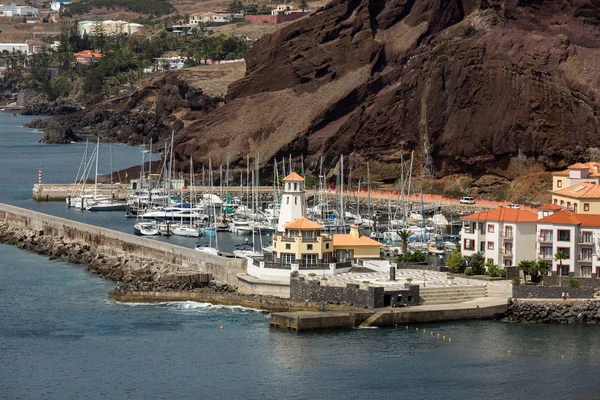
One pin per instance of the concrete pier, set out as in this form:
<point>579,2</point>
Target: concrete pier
<point>483,308</point>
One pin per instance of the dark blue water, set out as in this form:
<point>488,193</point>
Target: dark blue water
<point>60,338</point>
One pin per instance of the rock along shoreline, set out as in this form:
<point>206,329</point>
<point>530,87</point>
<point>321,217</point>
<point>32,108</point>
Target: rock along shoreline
<point>143,280</point>
<point>554,312</point>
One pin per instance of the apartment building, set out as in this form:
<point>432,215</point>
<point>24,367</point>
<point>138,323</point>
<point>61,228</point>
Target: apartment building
<point>504,235</point>
<point>577,235</point>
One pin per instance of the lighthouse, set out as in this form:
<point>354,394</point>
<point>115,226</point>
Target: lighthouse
<point>293,204</point>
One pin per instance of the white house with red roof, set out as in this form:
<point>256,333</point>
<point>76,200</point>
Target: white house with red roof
<point>577,235</point>
<point>504,235</point>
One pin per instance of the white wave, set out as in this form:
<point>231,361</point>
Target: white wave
<point>191,305</point>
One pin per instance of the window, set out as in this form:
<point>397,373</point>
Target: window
<point>586,272</point>
<point>586,237</point>
<point>295,186</point>
<point>288,246</point>
<point>508,263</point>
<point>508,231</point>
<point>327,257</point>
<point>490,228</point>
<point>295,200</point>
<point>490,261</point>
<point>508,247</point>
<point>562,203</point>
<point>546,253</point>
<point>563,271</point>
<point>555,202</point>
<point>545,235</point>
<point>294,233</point>
<point>586,206</point>
<point>469,244</point>
<point>287,199</point>
<point>490,245</point>
<point>568,204</point>
<point>586,255</point>
<point>566,250</point>
<point>564,236</point>
<point>307,234</point>
<point>559,183</point>
<point>309,258</point>
<point>482,246</point>
<point>288,258</point>
<point>326,245</point>
<point>309,247</point>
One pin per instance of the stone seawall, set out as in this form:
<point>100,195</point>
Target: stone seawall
<point>554,312</point>
<point>115,255</point>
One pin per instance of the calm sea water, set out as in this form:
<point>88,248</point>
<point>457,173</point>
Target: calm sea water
<point>60,338</point>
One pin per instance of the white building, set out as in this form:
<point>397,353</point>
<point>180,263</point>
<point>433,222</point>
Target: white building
<point>109,28</point>
<point>577,235</point>
<point>166,64</point>
<point>15,47</point>
<point>293,203</point>
<point>504,235</point>
<point>13,10</point>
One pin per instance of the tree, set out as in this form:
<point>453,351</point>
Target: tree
<point>303,5</point>
<point>476,263</point>
<point>541,269</point>
<point>405,234</point>
<point>455,260</point>
<point>236,6</point>
<point>528,268</point>
<point>560,256</point>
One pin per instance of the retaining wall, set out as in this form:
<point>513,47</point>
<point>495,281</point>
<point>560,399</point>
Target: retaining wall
<point>113,243</point>
<point>273,19</point>
<point>550,292</point>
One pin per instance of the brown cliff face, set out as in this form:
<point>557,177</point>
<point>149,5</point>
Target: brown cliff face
<point>471,85</point>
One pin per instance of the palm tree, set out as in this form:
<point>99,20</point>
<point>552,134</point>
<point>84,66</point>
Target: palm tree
<point>405,234</point>
<point>560,256</point>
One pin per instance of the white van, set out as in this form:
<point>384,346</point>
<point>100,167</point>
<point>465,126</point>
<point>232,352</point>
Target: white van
<point>467,200</point>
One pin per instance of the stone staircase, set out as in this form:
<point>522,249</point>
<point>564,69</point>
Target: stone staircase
<point>450,294</point>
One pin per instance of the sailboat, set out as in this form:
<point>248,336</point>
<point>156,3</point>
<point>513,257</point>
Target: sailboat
<point>145,228</point>
<point>182,229</point>
<point>202,246</point>
<point>105,204</point>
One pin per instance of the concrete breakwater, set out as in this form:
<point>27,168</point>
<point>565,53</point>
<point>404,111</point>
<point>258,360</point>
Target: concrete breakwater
<point>137,261</point>
<point>554,312</point>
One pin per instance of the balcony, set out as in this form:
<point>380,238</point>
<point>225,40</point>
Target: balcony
<point>507,253</point>
<point>544,239</point>
<point>585,260</point>
<point>545,257</point>
<point>506,235</point>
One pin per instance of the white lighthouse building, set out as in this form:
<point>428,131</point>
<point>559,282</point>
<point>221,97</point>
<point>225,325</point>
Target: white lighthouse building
<point>293,204</point>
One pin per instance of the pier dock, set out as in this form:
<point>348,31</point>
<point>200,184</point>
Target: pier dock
<point>483,308</point>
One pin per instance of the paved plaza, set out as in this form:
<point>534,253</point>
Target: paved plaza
<point>419,277</point>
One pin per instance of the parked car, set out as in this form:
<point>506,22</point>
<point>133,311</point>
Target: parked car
<point>467,200</point>
<point>514,206</point>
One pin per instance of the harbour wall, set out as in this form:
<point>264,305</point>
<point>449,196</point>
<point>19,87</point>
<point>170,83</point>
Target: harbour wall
<point>119,247</point>
<point>554,311</point>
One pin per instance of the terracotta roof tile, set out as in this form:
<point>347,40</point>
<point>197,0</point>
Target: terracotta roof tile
<point>564,217</point>
<point>293,177</point>
<point>594,168</point>
<point>302,223</point>
<point>580,190</point>
<point>504,214</point>
<point>550,207</point>
<point>346,239</point>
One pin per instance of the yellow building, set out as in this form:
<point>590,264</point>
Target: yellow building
<point>582,198</point>
<point>578,188</point>
<point>302,242</point>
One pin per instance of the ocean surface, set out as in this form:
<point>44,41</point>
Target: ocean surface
<point>61,339</point>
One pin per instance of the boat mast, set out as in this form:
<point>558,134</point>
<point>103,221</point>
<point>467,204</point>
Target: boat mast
<point>369,198</point>
<point>96,179</point>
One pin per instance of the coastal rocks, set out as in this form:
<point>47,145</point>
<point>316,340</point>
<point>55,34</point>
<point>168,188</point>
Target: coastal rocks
<point>135,273</point>
<point>569,312</point>
<point>156,107</point>
<point>36,103</point>
<point>59,136</point>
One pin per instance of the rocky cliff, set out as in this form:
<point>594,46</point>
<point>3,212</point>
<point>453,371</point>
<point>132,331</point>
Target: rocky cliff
<point>470,85</point>
<point>156,105</point>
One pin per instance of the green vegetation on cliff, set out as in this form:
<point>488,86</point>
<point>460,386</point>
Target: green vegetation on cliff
<point>123,62</point>
<point>149,7</point>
